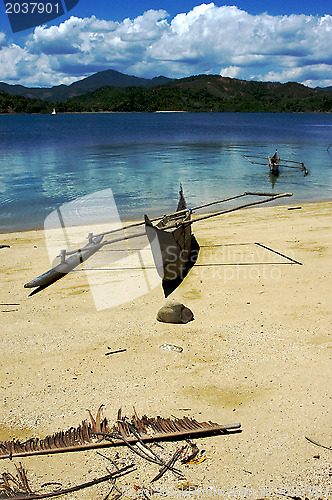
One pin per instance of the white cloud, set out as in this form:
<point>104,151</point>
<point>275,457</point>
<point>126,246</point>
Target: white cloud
<point>231,71</point>
<point>207,39</point>
<point>308,75</point>
<point>10,57</point>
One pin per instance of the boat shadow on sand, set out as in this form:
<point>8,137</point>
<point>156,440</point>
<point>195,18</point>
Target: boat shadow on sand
<point>170,286</point>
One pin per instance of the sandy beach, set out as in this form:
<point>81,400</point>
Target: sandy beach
<point>257,352</point>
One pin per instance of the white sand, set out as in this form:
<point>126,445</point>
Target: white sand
<point>258,353</point>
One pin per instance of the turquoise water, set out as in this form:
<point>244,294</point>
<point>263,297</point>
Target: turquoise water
<point>46,161</point>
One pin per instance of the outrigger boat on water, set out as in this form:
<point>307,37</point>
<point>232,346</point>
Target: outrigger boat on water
<point>170,240</point>
<point>274,163</point>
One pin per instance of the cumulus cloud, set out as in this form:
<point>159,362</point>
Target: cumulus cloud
<point>207,39</point>
<point>2,38</point>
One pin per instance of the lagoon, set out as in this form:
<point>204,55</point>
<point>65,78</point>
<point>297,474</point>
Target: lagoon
<point>46,160</point>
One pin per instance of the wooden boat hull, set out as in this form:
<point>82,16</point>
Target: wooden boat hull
<point>170,242</point>
<point>274,165</point>
<point>64,268</point>
<point>170,249</point>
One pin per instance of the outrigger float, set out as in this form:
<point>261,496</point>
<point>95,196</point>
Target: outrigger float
<point>274,163</point>
<point>170,240</point>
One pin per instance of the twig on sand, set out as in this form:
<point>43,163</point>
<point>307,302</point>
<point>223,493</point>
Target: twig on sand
<point>169,465</point>
<point>34,496</point>
<point>318,444</point>
<point>115,352</point>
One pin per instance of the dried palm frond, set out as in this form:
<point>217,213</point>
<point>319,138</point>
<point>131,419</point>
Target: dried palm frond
<point>98,434</point>
<point>18,488</point>
<point>14,486</point>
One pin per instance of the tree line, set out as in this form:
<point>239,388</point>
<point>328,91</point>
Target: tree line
<point>194,94</point>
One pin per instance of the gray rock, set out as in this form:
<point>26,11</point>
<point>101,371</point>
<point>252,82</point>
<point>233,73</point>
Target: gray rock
<point>174,312</point>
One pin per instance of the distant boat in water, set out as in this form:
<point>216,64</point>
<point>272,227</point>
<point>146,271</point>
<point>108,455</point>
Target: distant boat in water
<point>53,112</point>
<point>274,163</point>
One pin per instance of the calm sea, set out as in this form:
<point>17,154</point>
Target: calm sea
<point>46,160</point>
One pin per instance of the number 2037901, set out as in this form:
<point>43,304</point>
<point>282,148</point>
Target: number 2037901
<point>32,8</point>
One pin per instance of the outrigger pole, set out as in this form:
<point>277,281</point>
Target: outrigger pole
<point>95,243</point>
<point>100,244</point>
<point>271,197</point>
<point>180,212</point>
<point>301,167</point>
<point>136,224</point>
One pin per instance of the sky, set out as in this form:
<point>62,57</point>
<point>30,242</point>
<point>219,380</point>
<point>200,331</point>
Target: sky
<point>288,40</point>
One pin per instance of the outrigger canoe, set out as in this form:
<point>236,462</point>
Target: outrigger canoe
<point>274,162</point>
<point>170,240</point>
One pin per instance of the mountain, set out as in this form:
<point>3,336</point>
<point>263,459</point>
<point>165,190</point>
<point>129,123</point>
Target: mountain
<point>110,78</point>
<point>195,93</point>
<point>206,93</point>
<point>326,89</point>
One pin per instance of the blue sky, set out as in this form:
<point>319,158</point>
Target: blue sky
<point>248,39</point>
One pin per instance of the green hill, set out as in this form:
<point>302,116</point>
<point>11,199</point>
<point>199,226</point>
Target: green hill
<point>206,93</point>
<point>196,93</point>
<point>18,104</point>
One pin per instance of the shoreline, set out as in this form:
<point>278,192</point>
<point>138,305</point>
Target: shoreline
<point>172,111</point>
<point>135,220</point>
<point>257,353</point>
